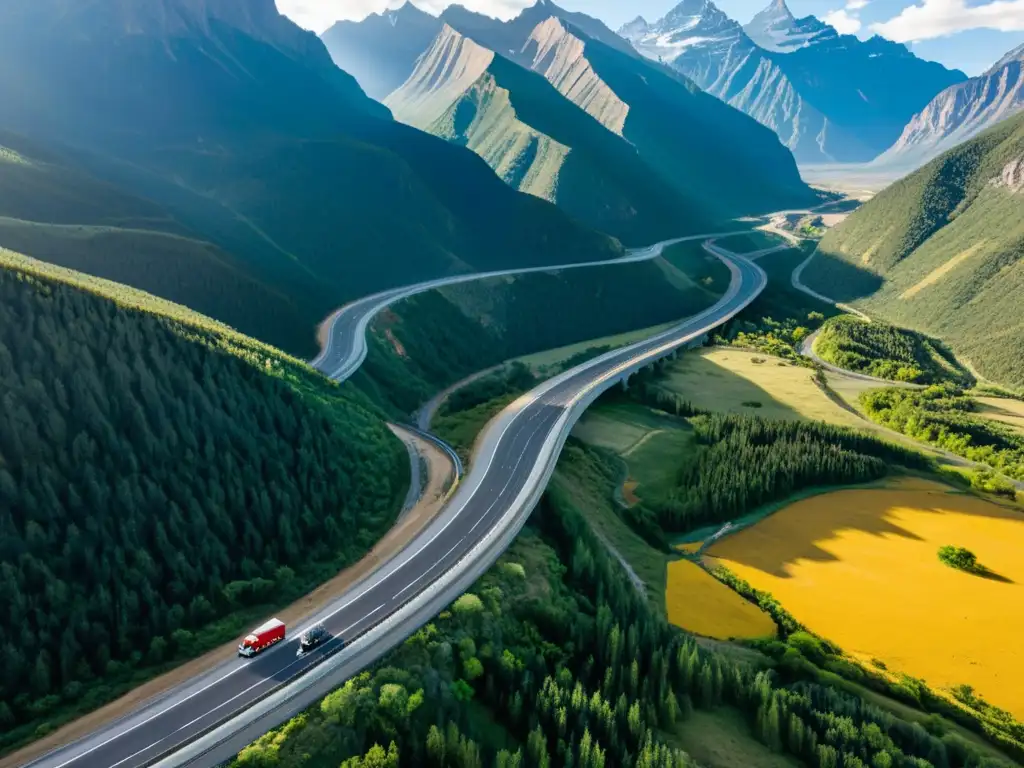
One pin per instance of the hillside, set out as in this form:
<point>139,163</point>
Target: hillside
<point>696,143</point>
<point>942,251</point>
<point>829,97</point>
<point>56,212</point>
<point>164,481</point>
<point>540,142</point>
<point>237,123</point>
<point>959,113</point>
<point>719,157</point>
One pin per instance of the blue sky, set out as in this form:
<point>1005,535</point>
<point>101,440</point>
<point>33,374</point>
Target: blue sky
<point>966,34</point>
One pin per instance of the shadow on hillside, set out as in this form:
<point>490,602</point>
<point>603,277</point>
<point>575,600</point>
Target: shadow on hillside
<point>839,279</point>
<point>773,548</point>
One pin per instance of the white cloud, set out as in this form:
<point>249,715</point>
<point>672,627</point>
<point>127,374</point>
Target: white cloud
<point>318,15</point>
<point>936,18</point>
<point>846,20</point>
<point>844,23</point>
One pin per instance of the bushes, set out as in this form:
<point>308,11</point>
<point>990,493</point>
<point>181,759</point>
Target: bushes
<point>941,415</point>
<point>960,558</point>
<point>888,352</point>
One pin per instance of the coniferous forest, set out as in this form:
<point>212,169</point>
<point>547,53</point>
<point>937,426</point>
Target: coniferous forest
<point>157,475</point>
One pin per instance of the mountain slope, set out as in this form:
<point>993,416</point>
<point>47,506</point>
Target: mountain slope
<point>942,251</point>
<point>54,211</point>
<point>829,97</point>
<point>164,479</point>
<point>239,124</point>
<point>697,144</point>
<point>960,112</point>
<point>405,34</point>
<point>539,142</point>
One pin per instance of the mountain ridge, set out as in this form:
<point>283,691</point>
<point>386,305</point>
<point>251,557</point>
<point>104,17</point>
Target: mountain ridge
<point>959,113</point>
<point>829,97</point>
<point>278,158</point>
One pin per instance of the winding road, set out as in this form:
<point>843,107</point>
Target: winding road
<point>210,718</point>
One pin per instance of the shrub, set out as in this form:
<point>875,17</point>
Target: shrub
<point>959,558</point>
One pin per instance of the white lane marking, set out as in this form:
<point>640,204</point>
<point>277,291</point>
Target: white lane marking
<point>218,681</point>
<point>239,695</point>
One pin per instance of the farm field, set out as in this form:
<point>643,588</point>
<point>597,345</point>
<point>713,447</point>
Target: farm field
<point>860,568</point>
<point>723,379</point>
<point>548,361</point>
<point>701,604</point>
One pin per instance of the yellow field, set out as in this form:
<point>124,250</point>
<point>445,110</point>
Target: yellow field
<point>690,547</point>
<point>722,379</point>
<point>700,603</point>
<point>860,568</point>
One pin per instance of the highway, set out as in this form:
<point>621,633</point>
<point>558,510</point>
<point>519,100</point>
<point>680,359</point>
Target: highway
<point>521,446</point>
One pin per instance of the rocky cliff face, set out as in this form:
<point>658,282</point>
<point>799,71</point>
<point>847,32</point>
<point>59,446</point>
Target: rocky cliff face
<point>961,112</point>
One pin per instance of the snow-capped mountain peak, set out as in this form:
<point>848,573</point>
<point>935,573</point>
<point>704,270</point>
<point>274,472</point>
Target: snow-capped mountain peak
<point>691,23</point>
<point>776,29</point>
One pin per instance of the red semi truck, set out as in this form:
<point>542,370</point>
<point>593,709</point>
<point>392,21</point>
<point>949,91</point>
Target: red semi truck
<point>261,638</point>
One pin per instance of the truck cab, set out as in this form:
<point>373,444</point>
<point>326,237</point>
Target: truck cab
<point>261,638</point>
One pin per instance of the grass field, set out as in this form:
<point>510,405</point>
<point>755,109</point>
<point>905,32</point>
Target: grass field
<point>700,603</point>
<point>860,568</point>
<point>723,739</point>
<point>722,379</point>
<point>1010,412</point>
<point>551,360</point>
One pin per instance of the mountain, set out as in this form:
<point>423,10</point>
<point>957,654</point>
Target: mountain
<point>238,124</point>
<point>540,142</point>
<point>405,33</point>
<point>942,251</point>
<point>164,474</point>
<point>960,112</point>
<point>697,144</point>
<point>776,29</point>
<point>829,97</point>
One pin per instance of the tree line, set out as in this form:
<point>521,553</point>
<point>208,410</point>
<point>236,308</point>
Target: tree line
<point>746,461</point>
<point>941,415</point>
<point>156,479</point>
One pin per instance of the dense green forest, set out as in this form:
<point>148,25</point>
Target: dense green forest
<point>553,659</point>
<point>746,461</point>
<point>942,251</point>
<point>942,416</point>
<point>444,336</point>
<point>163,482</point>
<point>887,352</point>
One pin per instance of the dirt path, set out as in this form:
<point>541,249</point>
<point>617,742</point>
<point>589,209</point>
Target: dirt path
<point>413,520</point>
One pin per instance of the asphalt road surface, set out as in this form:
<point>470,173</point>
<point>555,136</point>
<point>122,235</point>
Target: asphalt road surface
<point>165,725</point>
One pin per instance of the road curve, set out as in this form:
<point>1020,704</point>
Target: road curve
<point>521,446</point>
<point>345,348</point>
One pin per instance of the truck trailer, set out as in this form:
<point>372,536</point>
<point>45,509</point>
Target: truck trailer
<point>261,638</point>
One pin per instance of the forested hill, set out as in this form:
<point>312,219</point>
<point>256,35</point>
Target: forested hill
<point>942,251</point>
<point>164,481</point>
